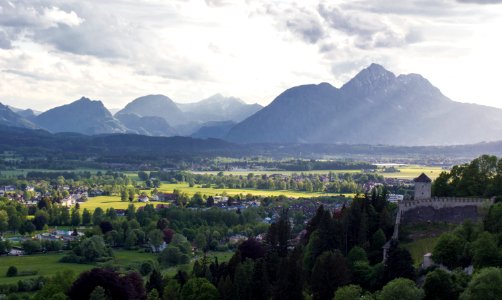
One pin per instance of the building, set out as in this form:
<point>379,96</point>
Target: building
<point>423,187</point>
<point>394,198</point>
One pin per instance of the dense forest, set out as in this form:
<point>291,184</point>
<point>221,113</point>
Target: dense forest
<point>480,177</point>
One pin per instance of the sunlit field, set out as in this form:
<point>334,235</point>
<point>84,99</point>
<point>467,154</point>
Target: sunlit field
<point>106,202</point>
<point>405,172</point>
<point>185,188</point>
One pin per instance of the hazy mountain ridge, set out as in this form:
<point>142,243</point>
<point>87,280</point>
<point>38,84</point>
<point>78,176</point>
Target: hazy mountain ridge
<point>375,107</point>
<point>152,126</point>
<point>219,108</point>
<point>9,118</point>
<point>217,130</point>
<point>82,116</point>
<point>155,106</point>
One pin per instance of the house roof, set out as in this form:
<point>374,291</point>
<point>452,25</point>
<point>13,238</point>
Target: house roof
<point>422,178</point>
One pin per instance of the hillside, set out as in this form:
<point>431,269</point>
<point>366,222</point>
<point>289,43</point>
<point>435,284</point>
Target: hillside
<point>155,106</point>
<point>10,118</point>
<point>82,116</point>
<point>152,126</point>
<point>375,107</point>
<point>219,108</point>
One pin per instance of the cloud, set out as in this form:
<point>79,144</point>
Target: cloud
<point>306,25</point>
<point>368,31</point>
<point>4,41</point>
<point>481,1</point>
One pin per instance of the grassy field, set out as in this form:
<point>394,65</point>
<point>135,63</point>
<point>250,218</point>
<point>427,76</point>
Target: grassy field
<point>183,187</point>
<point>106,202</point>
<point>420,247</point>
<point>405,172</point>
<point>17,172</point>
<point>45,264</point>
<point>413,171</point>
<point>222,257</point>
<point>48,264</point>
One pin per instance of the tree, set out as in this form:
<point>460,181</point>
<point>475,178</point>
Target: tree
<point>401,289</point>
<point>31,246</point>
<point>5,246</point>
<point>485,251</point>
<point>448,250</point>
<point>41,219</point>
<point>155,282</point>
<point>98,293</point>
<point>65,216</point>
<point>128,287</point>
<point>97,216</point>
<point>331,270</point>
<point>486,285</point>
<point>11,271</point>
<point>156,238</point>
<point>399,263</point>
<point>349,292</point>
<point>439,285</point>
<point>86,217</point>
<point>172,290</point>
<point>75,217</point>
<point>4,221</point>
<point>199,289</point>
<point>146,268</point>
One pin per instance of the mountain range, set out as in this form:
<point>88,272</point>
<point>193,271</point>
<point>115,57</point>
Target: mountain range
<point>376,107</point>
<point>152,115</point>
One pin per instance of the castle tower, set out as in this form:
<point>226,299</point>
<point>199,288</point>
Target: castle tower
<point>423,187</point>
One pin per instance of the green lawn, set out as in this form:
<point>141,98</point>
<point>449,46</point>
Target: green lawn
<point>48,264</point>
<point>45,264</point>
<point>420,247</point>
<point>183,187</point>
<point>106,202</point>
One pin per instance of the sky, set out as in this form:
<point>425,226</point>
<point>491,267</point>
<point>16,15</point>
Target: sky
<point>54,52</point>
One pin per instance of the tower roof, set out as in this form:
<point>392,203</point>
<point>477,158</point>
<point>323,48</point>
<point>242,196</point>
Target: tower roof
<point>422,178</point>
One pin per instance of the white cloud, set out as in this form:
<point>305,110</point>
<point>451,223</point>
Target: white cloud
<point>53,51</point>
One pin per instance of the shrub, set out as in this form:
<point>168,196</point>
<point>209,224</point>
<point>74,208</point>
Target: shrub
<point>11,271</point>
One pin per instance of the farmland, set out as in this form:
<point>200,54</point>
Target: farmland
<point>185,188</point>
<point>106,202</point>
<point>405,172</point>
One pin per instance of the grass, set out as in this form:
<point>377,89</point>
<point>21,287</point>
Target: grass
<point>413,171</point>
<point>222,257</point>
<point>49,265</point>
<point>106,202</point>
<point>17,172</point>
<point>406,172</point>
<point>185,188</point>
<point>45,264</point>
<point>420,247</point>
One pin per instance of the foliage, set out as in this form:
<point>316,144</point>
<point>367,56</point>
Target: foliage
<point>11,271</point>
<point>401,289</point>
<point>199,289</point>
<point>129,286</point>
<point>486,285</point>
